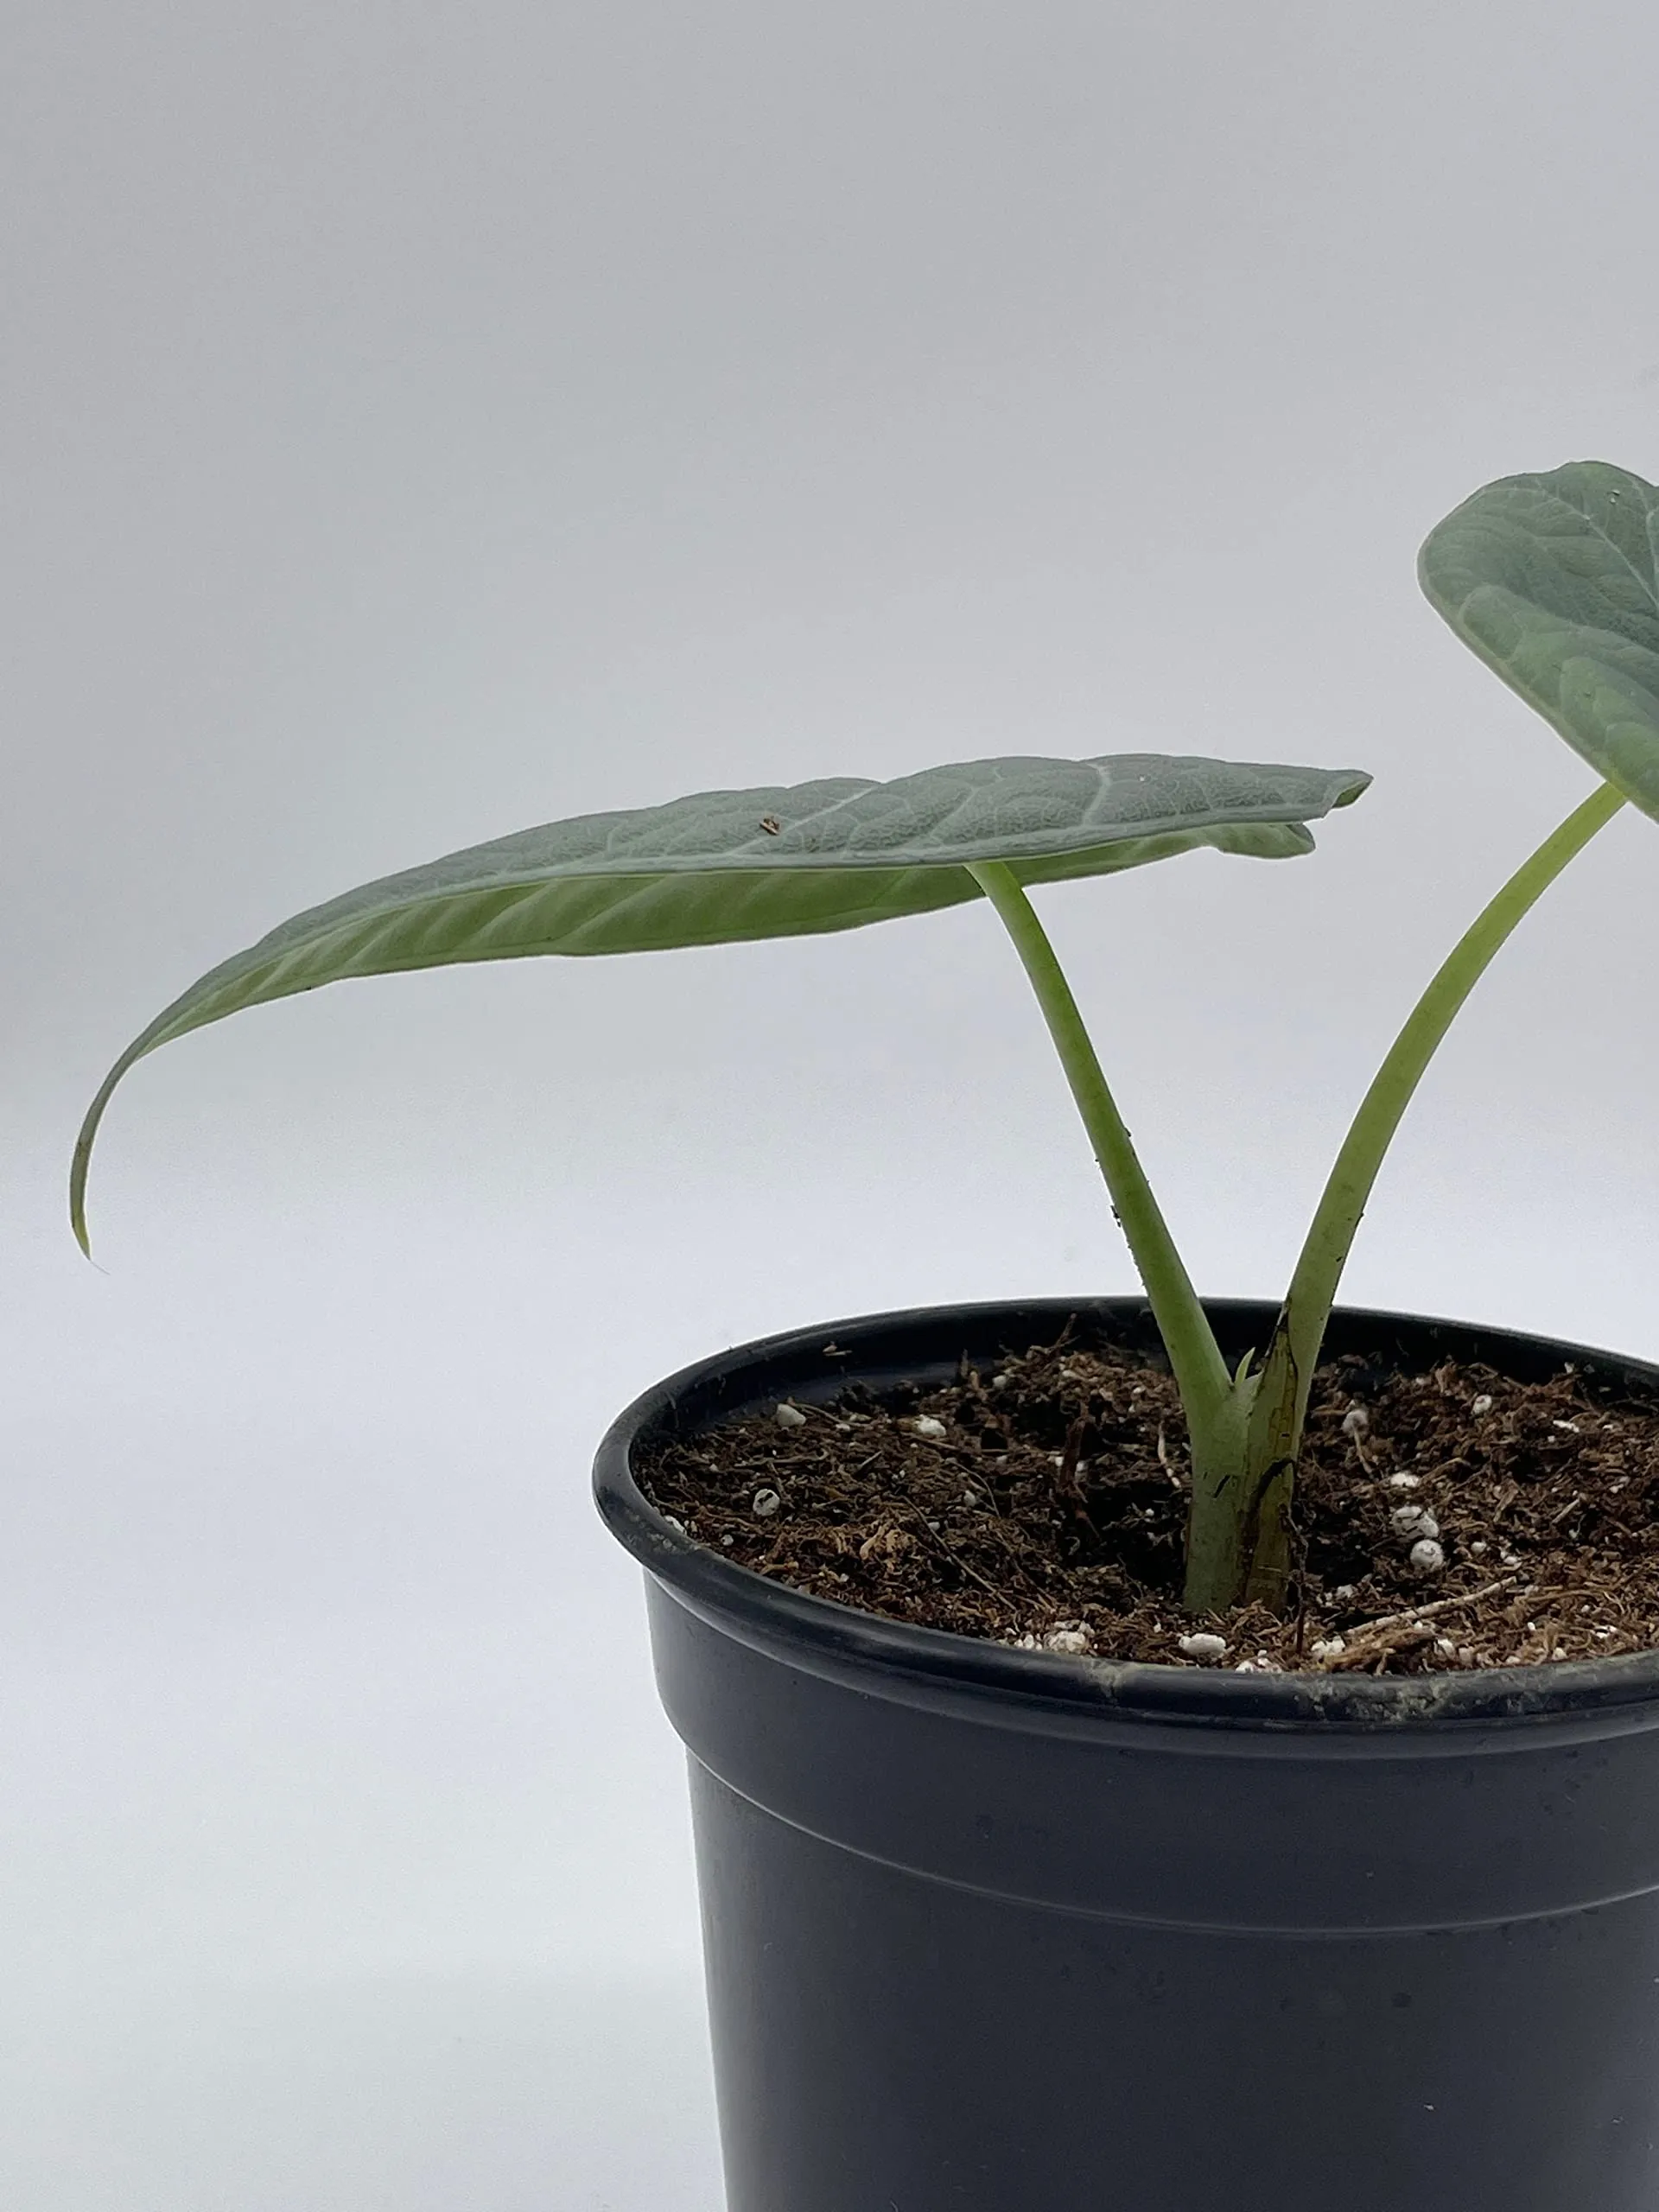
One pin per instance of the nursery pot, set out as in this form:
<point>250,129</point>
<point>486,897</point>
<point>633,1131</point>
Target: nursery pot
<point>996,1930</point>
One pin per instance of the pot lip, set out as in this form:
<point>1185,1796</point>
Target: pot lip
<point>930,1665</point>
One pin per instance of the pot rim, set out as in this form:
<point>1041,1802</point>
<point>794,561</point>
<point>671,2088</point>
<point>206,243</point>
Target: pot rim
<point>928,1663</point>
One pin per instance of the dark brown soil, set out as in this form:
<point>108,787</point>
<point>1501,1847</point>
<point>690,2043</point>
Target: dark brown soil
<point>1043,1503</point>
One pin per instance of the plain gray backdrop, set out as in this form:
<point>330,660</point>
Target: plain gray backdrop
<point>423,421</point>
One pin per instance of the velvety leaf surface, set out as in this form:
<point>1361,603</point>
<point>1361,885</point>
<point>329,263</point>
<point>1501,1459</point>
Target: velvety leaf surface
<point>784,861</point>
<point>1553,580</point>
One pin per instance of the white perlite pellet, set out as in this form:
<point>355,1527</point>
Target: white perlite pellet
<point>788,1416</point>
<point>1405,1482</point>
<point>764,1504</point>
<point>1068,1639</point>
<point>1414,1520</point>
<point>1203,1645</point>
<point>1481,1405</point>
<point>1356,1421</point>
<point>926,1425</point>
<point>1427,1558</point>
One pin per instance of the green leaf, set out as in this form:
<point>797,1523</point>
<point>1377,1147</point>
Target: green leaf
<point>1553,580</point>
<point>723,865</point>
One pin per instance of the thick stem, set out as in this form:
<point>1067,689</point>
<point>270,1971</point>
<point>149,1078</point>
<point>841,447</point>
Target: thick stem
<point>1238,1543</point>
<point>1200,1372</point>
<point>1282,1393</point>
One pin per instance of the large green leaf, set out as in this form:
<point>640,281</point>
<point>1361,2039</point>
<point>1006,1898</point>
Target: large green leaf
<point>722,866</point>
<point>1553,580</point>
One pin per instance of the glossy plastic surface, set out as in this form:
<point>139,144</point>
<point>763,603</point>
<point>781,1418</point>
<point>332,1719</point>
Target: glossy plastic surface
<point>990,1930</point>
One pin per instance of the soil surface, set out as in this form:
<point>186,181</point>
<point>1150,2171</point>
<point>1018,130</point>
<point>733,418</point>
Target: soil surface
<point>1042,1502</point>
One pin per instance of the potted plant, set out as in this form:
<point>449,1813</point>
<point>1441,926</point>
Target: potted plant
<point>1290,1915</point>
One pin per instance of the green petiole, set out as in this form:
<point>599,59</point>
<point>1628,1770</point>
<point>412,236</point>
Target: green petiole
<point>1282,1396</point>
<point>1200,1370</point>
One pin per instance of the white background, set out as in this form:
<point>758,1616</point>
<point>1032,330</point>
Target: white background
<point>423,422</point>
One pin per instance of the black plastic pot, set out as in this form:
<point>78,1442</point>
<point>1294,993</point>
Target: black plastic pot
<point>991,1931</point>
